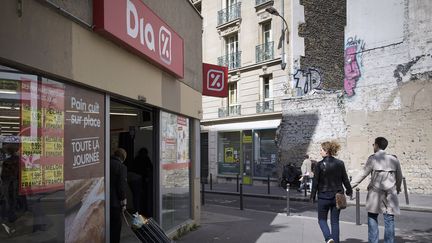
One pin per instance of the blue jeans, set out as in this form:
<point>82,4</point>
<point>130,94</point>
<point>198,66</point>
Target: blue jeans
<point>324,206</point>
<point>373,232</point>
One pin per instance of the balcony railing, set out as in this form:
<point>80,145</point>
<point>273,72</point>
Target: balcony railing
<point>264,52</point>
<point>232,61</point>
<point>266,106</point>
<point>229,14</point>
<point>259,2</point>
<point>232,110</point>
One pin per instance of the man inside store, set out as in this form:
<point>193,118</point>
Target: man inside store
<point>118,187</point>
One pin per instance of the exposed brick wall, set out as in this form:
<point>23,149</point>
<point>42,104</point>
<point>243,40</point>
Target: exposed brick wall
<point>307,122</point>
<point>323,34</point>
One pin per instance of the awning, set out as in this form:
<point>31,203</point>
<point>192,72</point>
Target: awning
<point>236,126</point>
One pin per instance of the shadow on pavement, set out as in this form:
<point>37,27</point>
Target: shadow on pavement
<point>415,236</point>
<point>227,226</point>
<point>351,240</point>
<point>419,236</point>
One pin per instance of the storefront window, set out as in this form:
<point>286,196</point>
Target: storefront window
<point>265,154</point>
<point>51,161</point>
<point>229,153</point>
<point>175,169</point>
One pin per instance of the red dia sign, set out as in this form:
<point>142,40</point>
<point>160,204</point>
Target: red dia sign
<point>215,80</point>
<point>133,25</point>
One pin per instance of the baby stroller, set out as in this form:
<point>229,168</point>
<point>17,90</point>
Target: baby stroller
<point>290,175</point>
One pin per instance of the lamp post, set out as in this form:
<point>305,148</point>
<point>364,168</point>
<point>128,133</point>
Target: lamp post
<point>273,11</point>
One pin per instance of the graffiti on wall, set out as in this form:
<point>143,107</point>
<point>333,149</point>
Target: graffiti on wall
<point>403,69</point>
<point>353,62</point>
<point>307,80</point>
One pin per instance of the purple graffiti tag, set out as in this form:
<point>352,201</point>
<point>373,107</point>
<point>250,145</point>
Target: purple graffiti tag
<point>352,69</point>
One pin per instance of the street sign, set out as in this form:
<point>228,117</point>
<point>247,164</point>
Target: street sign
<point>215,80</point>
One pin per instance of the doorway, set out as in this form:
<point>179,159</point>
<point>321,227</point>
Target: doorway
<point>132,128</point>
<point>204,158</point>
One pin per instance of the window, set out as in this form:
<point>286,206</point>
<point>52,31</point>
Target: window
<point>232,93</point>
<point>229,153</point>
<point>264,51</point>
<point>232,54</point>
<point>266,33</point>
<point>231,45</point>
<point>267,88</point>
<point>174,170</point>
<point>229,3</point>
<point>52,146</point>
<point>266,84</point>
<point>265,153</point>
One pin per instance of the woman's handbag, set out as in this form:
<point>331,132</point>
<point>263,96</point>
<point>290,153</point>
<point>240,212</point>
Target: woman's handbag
<point>341,202</point>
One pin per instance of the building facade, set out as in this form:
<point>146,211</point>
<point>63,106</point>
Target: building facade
<point>79,79</point>
<point>385,93</point>
<point>238,131</point>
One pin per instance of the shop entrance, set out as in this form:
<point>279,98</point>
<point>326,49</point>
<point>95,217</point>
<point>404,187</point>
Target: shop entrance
<point>132,128</point>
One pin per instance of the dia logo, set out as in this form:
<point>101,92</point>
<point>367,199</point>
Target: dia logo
<point>215,80</point>
<point>165,45</point>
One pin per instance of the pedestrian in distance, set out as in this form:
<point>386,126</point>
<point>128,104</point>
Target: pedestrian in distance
<point>118,187</point>
<point>330,177</point>
<point>385,184</point>
<point>307,174</point>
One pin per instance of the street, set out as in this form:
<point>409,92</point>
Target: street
<point>408,221</point>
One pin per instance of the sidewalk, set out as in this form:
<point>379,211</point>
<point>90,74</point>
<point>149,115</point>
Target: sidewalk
<point>419,203</point>
<point>225,224</point>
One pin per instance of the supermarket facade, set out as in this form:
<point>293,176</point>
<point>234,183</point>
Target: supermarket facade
<point>79,79</point>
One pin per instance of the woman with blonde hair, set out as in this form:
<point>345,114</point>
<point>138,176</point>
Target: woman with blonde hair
<point>330,177</point>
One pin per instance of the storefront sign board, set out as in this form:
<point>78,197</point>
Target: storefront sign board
<point>134,25</point>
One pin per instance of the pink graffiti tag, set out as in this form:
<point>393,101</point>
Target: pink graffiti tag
<point>352,70</point>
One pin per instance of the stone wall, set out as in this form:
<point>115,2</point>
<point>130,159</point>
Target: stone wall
<point>323,33</point>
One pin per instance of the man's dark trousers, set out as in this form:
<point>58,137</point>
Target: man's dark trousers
<point>115,224</point>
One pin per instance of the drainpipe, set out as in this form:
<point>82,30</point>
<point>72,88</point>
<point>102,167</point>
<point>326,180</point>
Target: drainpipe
<point>283,63</point>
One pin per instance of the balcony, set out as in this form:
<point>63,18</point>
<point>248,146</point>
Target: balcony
<point>264,52</point>
<point>229,14</point>
<point>232,110</point>
<point>259,2</point>
<point>266,106</point>
<point>232,61</point>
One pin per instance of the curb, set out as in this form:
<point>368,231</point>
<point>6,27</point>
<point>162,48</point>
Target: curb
<point>300,199</point>
<point>402,207</point>
<point>303,199</point>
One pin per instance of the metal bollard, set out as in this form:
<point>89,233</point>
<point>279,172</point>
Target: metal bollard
<point>241,196</point>
<point>237,182</point>
<point>202,193</point>
<point>357,206</point>
<point>268,184</point>
<point>405,190</point>
<point>305,179</point>
<point>211,181</point>
<point>288,199</point>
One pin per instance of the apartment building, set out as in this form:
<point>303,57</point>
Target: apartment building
<point>238,132</point>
